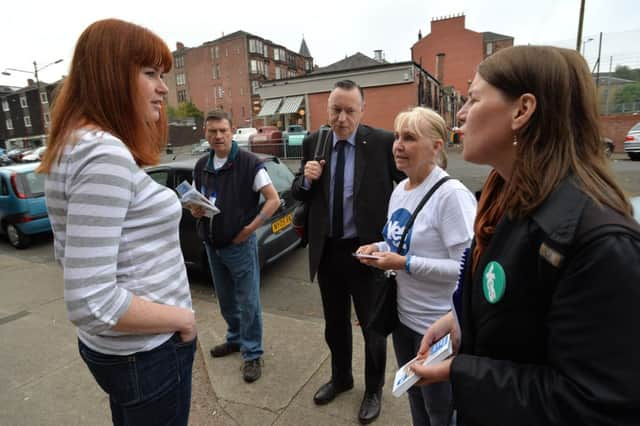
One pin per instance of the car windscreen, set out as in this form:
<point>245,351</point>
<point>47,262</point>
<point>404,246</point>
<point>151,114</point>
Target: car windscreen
<point>635,128</point>
<point>280,175</point>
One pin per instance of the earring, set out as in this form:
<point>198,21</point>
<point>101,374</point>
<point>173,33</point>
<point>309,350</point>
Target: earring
<point>515,140</point>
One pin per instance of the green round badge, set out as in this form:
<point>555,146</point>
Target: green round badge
<point>494,282</point>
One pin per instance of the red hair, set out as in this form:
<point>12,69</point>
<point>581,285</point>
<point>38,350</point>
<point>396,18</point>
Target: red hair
<point>102,91</point>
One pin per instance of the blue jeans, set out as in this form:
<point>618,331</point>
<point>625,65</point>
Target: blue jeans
<point>236,278</point>
<point>146,388</point>
<point>431,404</point>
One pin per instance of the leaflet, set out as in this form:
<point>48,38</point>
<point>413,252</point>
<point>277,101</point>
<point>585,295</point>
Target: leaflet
<point>405,377</point>
<point>189,196</point>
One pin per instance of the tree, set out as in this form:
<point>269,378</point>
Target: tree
<point>629,94</point>
<point>623,71</point>
<point>184,110</point>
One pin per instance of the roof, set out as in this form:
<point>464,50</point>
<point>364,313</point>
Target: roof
<point>355,61</point>
<point>612,80</point>
<point>20,168</point>
<point>304,50</point>
<point>489,36</point>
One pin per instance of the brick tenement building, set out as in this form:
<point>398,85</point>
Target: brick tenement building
<point>451,52</point>
<point>224,73</point>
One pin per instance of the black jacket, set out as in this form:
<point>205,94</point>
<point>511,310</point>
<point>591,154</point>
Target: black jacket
<point>561,347</point>
<point>235,197</point>
<point>374,174</point>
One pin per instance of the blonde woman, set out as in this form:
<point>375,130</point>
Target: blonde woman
<point>427,263</point>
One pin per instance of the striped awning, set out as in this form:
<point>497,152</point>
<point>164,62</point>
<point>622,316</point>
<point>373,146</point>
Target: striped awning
<point>269,107</point>
<point>291,105</point>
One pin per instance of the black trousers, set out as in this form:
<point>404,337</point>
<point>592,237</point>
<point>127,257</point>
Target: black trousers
<point>343,278</point>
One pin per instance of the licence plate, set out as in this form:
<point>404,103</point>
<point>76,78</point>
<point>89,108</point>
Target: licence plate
<point>281,223</point>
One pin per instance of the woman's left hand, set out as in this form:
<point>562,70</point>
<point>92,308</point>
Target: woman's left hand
<point>433,373</point>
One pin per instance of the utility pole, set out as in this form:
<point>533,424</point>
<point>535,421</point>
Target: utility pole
<point>579,39</point>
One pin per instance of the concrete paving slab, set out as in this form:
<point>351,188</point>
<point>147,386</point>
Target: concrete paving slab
<point>65,395</point>
<point>249,415</point>
<point>44,327</point>
<point>291,357</point>
<point>28,284</point>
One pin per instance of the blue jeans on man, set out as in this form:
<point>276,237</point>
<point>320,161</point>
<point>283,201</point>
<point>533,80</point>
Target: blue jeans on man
<point>236,278</point>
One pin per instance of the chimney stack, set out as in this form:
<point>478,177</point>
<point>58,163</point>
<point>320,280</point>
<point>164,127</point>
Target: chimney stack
<point>179,45</point>
<point>30,82</point>
<point>440,67</point>
<point>378,55</point>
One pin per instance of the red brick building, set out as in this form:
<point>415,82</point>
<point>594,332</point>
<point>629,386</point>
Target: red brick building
<point>389,88</point>
<point>224,73</point>
<point>452,52</point>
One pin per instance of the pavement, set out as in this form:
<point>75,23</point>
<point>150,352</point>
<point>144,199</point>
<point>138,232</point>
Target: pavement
<point>43,381</point>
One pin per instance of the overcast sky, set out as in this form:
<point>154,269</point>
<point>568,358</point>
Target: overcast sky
<point>45,31</point>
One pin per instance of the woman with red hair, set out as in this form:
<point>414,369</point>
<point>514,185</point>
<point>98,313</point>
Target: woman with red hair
<point>116,230</point>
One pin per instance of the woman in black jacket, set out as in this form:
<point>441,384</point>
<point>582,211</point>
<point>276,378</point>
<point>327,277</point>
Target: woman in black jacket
<point>547,301</point>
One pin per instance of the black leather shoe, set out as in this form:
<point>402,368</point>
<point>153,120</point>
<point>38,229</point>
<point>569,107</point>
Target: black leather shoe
<point>328,392</point>
<point>370,407</point>
<point>224,349</point>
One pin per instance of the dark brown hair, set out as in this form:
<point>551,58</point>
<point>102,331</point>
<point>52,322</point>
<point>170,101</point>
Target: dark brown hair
<point>562,136</point>
<point>102,91</point>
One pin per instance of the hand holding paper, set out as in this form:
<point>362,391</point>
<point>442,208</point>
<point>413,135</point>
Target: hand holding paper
<point>191,199</point>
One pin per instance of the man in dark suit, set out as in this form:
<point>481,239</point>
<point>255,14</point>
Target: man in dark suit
<point>347,186</point>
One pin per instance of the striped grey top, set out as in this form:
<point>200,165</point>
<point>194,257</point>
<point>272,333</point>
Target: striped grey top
<point>115,235</point>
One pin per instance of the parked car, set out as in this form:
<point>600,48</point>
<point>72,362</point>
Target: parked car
<point>5,160</point>
<point>23,211</point>
<point>632,143</point>
<point>242,134</point>
<point>293,138</point>
<point>608,146</point>
<point>268,140</point>
<point>275,238</point>
<point>16,154</point>
<point>35,155</point>
<point>201,147</point>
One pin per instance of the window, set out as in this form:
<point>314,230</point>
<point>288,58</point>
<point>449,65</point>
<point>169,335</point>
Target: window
<point>279,54</point>
<point>220,92</point>
<point>180,80</point>
<point>256,46</point>
<point>161,177</point>
<point>254,86</point>
<point>216,71</point>
<point>257,67</point>
<point>243,111</point>
<point>182,96</point>
<point>215,52</point>
<point>277,76</point>
<point>9,124</point>
<point>43,98</point>
<point>47,118</point>
<point>179,61</point>
<point>266,51</point>
<point>226,52</point>
<point>5,105</point>
<point>23,101</point>
<point>308,64</point>
<point>266,69</point>
<point>489,48</point>
<point>242,92</point>
<point>27,121</point>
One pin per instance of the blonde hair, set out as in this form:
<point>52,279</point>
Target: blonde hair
<point>425,122</point>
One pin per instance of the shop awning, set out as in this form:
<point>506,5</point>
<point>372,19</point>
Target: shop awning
<point>291,105</point>
<point>269,107</point>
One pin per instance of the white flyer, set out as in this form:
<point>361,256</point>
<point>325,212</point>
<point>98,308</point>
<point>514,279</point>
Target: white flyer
<point>189,195</point>
<point>405,377</point>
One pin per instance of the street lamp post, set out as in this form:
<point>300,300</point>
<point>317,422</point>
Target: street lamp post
<point>584,43</point>
<point>35,75</point>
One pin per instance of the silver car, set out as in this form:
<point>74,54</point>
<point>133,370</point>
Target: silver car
<point>632,143</point>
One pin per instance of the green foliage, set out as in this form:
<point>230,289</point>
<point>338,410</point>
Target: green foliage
<point>628,97</point>
<point>623,71</point>
<point>184,110</point>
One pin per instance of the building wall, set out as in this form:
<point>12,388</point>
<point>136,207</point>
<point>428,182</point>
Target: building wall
<point>463,49</point>
<point>232,90</point>
<point>617,126</point>
<point>382,104</point>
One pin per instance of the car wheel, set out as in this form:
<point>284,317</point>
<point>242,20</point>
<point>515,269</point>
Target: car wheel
<point>17,239</point>
<point>635,156</point>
